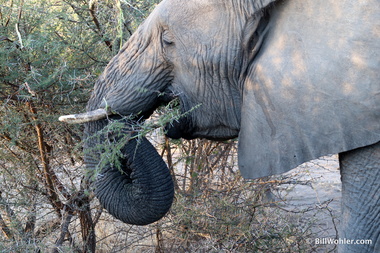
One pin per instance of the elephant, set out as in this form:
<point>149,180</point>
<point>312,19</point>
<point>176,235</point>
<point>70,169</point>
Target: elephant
<point>293,80</point>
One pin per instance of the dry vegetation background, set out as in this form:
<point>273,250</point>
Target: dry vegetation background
<point>51,52</point>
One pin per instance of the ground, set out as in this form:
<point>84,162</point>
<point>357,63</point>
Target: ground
<point>319,198</point>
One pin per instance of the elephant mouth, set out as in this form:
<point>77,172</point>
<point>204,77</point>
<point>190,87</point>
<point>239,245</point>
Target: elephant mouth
<point>101,113</point>
<point>181,127</point>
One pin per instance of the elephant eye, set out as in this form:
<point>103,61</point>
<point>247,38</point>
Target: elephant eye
<point>167,38</point>
<point>167,42</point>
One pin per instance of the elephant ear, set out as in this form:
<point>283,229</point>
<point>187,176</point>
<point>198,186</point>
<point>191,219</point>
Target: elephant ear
<point>254,33</point>
<point>278,133</point>
<point>300,101</point>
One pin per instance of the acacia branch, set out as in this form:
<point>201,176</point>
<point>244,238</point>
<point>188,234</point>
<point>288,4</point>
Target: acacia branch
<point>97,24</point>
<point>169,159</point>
<point>10,14</point>
<point>10,213</point>
<point>50,177</point>
<point>18,23</point>
<point>11,216</point>
<point>64,231</point>
<point>14,142</point>
<point>6,231</point>
<point>30,224</point>
<point>48,227</point>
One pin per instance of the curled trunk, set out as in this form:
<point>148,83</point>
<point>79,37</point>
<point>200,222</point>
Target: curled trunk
<point>141,191</point>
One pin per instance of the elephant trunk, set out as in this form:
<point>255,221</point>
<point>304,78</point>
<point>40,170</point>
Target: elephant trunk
<point>141,191</point>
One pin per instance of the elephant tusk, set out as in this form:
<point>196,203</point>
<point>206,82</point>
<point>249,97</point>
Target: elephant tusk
<point>85,117</point>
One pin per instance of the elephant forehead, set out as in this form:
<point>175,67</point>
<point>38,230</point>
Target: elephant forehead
<point>197,19</point>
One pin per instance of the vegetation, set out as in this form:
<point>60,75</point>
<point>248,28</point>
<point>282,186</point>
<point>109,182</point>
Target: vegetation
<point>51,52</point>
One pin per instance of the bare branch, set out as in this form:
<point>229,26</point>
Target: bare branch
<point>50,177</point>
<point>10,14</point>
<point>18,23</point>
<point>97,24</point>
<point>6,231</point>
<point>64,231</point>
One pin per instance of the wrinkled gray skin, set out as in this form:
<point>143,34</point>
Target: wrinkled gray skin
<point>293,79</point>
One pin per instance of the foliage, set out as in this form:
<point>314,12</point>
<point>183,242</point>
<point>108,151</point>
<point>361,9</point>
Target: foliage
<point>50,55</point>
<point>117,136</point>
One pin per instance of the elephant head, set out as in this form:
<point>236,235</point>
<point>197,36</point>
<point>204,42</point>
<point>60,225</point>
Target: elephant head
<point>170,56</point>
<point>259,70</point>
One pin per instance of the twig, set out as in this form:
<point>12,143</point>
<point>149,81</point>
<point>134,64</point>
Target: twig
<point>97,23</point>
<point>2,38</point>
<point>133,7</point>
<point>32,92</point>
<point>17,24</point>
<point>64,231</point>
<point>47,227</point>
<point>10,14</point>
<point>6,231</point>
<point>19,36</point>
<point>50,177</point>
<point>9,211</point>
